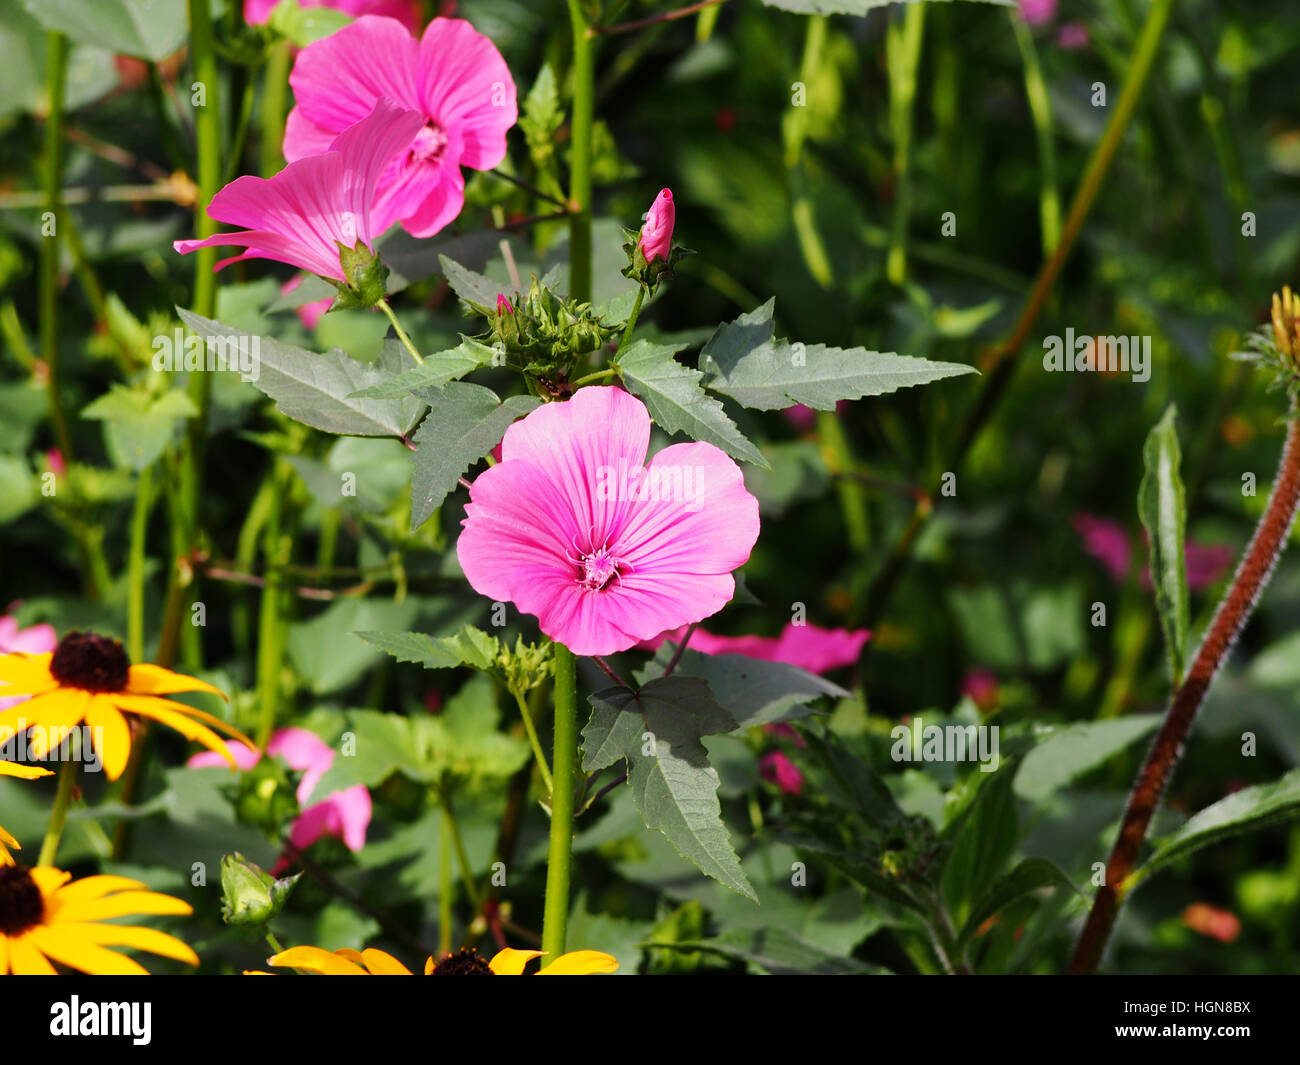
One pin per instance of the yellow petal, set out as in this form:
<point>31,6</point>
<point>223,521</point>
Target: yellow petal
<point>110,734</point>
<point>121,905</point>
<point>580,963</point>
<point>315,960</point>
<point>352,955</point>
<point>146,706</point>
<point>23,772</point>
<point>150,939</point>
<point>381,964</point>
<point>26,960</point>
<point>511,962</point>
<point>49,879</point>
<point>154,680</point>
<point>50,718</point>
<point>4,955</point>
<point>26,674</point>
<point>88,887</point>
<point>73,950</point>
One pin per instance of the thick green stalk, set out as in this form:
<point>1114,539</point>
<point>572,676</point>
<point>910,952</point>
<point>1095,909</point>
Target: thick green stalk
<point>565,763</point>
<point>275,89</point>
<point>59,815</point>
<point>903,48</point>
<point>444,883</point>
<point>584,68</point>
<point>270,626</point>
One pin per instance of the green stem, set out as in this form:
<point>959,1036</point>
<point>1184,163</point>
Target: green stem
<point>444,884</point>
<point>584,67</point>
<point>631,321</point>
<point>533,739</point>
<point>599,375</point>
<point>59,815</point>
<point>135,566</point>
<point>56,68</point>
<point>853,496</point>
<point>462,856</point>
<point>275,87</point>
<point>903,48</point>
<point>565,761</point>
<point>269,630</point>
<point>401,333</point>
<point>1049,197</point>
<point>275,943</point>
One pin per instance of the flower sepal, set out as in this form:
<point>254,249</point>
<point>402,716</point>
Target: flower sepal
<point>649,273</point>
<point>250,896</point>
<point>367,278</point>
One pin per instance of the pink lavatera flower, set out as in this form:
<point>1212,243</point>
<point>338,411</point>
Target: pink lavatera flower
<point>776,768</point>
<point>1038,12</point>
<point>657,233</point>
<point>453,76</point>
<point>344,814</point>
<point>407,12</point>
<point>605,549</point>
<point>809,647</point>
<point>308,313</point>
<point>302,214</point>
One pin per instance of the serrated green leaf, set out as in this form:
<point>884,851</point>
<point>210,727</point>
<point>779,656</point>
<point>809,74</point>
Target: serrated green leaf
<point>380,745</point>
<point>673,785</point>
<point>751,690</point>
<point>1163,510</point>
<point>777,952</point>
<point>470,647</point>
<point>436,371</point>
<point>676,402</point>
<point>1028,876</point>
<point>468,285</point>
<point>744,361</point>
<point>1242,811</point>
<point>318,390</point>
<point>1070,752</point>
<point>465,422</point>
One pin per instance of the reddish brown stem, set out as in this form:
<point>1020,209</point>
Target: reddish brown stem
<point>1233,613</point>
<point>654,20</point>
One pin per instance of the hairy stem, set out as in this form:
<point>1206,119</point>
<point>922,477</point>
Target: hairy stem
<point>1233,613</point>
<point>565,761</point>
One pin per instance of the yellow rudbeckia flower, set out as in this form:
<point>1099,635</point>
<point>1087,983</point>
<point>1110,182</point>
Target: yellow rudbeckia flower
<point>506,962</point>
<point>22,772</point>
<point>89,679</point>
<point>44,920</point>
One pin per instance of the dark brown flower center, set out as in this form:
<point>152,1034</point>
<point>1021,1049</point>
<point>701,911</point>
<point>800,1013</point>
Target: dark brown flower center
<point>94,663</point>
<point>464,962</point>
<point>21,904</point>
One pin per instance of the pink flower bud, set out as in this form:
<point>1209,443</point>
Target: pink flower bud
<point>657,233</point>
<point>503,304</point>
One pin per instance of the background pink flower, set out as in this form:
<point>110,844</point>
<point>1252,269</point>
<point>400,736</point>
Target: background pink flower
<point>1072,36</point>
<point>556,527</point>
<point>308,313</point>
<point>1107,542</point>
<point>453,76</point>
<point>806,646</point>
<point>776,768</point>
<point>407,12</point>
<point>344,814</point>
<point>33,640</point>
<point>1037,12</point>
<point>301,215</point>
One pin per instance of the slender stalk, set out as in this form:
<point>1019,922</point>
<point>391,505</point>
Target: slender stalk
<point>599,375</point>
<point>560,855</point>
<point>270,628</point>
<point>462,857</point>
<point>444,884</point>
<point>1000,361</point>
<point>56,68</point>
<point>275,943</point>
<point>904,52</point>
<point>1049,197</point>
<point>135,566</point>
<point>59,815</point>
<point>853,497</point>
<point>1234,611</point>
<point>401,333</point>
<point>584,68</point>
<point>631,321</point>
<point>533,739</point>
